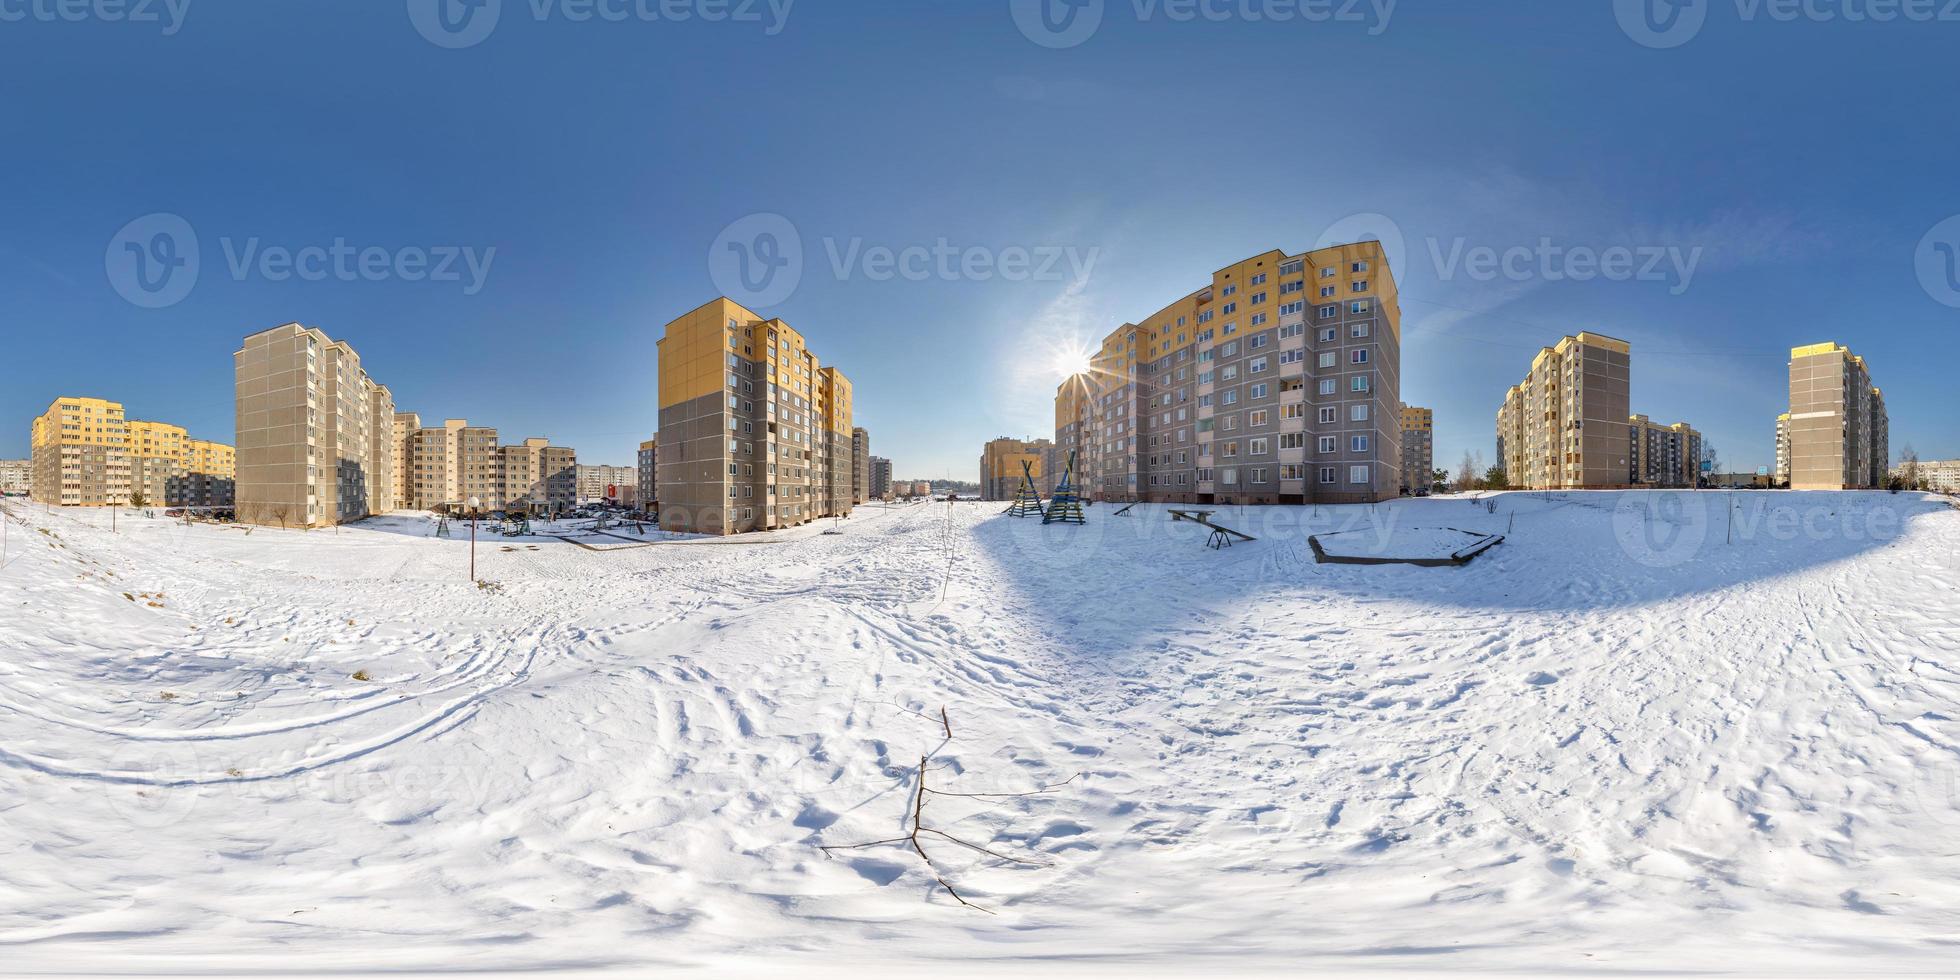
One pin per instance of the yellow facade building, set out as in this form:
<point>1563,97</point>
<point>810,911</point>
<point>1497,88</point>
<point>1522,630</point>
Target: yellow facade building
<point>1277,382</point>
<point>755,433</point>
<point>87,453</point>
<point>1001,471</point>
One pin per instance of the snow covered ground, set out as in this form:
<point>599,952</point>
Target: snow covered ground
<point>1647,731</point>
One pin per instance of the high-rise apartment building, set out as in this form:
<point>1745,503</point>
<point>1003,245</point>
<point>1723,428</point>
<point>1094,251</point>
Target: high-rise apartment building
<point>881,478</point>
<point>755,433</point>
<point>312,451</point>
<point>445,467</point>
<point>1418,448</point>
<point>1838,430</point>
<point>80,450</point>
<point>86,453</point>
<point>1662,455</point>
<point>1565,426</point>
<point>860,465</point>
<point>649,463</point>
<point>1278,382</point>
<point>1000,466</point>
<point>16,477</point>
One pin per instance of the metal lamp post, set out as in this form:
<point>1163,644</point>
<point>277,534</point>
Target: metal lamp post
<point>474,504</point>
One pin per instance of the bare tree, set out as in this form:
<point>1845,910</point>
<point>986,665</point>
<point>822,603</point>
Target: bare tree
<point>1466,472</point>
<point>1712,457</point>
<point>1911,477</point>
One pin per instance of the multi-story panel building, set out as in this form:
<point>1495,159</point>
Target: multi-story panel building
<point>881,478</point>
<point>1001,472</point>
<point>831,479</point>
<point>649,469</point>
<point>16,477</point>
<point>309,446</point>
<point>754,432</point>
<point>860,465</point>
<point>80,450</point>
<point>1662,455</point>
<point>404,483</point>
<point>1939,475</point>
<point>445,468</point>
<point>167,467</point>
<point>1565,425</point>
<point>1783,450</point>
<point>110,459</point>
<point>1838,430</point>
<point>1419,448</point>
<point>1279,382</point>
<point>595,481</point>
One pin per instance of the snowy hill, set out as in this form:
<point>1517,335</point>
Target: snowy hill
<point>1645,731</point>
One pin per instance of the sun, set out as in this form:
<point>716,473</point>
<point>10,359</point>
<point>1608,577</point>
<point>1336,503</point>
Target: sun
<point>1071,361</point>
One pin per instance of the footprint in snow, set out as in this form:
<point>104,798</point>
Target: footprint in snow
<point>1541,678</point>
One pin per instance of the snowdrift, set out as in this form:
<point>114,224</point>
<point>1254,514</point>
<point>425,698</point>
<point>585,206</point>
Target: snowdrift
<point>1662,730</point>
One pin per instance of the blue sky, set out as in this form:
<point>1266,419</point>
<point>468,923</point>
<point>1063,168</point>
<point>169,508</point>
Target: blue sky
<point>1799,166</point>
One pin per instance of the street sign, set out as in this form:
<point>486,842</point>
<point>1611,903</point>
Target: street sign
<point>612,491</point>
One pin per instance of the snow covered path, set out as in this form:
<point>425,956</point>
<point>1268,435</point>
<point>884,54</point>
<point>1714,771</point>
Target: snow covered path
<point>1647,731</point>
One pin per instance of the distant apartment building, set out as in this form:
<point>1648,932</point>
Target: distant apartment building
<point>649,468</point>
<point>1277,382</point>
<point>447,466</point>
<point>881,478</point>
<point>1783,450</point>
<point>1001,462</point>
<point>1418,447</point>
<point>87,453</point>
<point>755,432</point>
<point>1839,433</point>
<point>169,468</point>
<point>1662,455</point>
<point>922,488</point>
<point>620,484</point>
<point>1939,475</point>
<point>1565,426</point>
<point>860,465</point>
<point>16,477</point>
